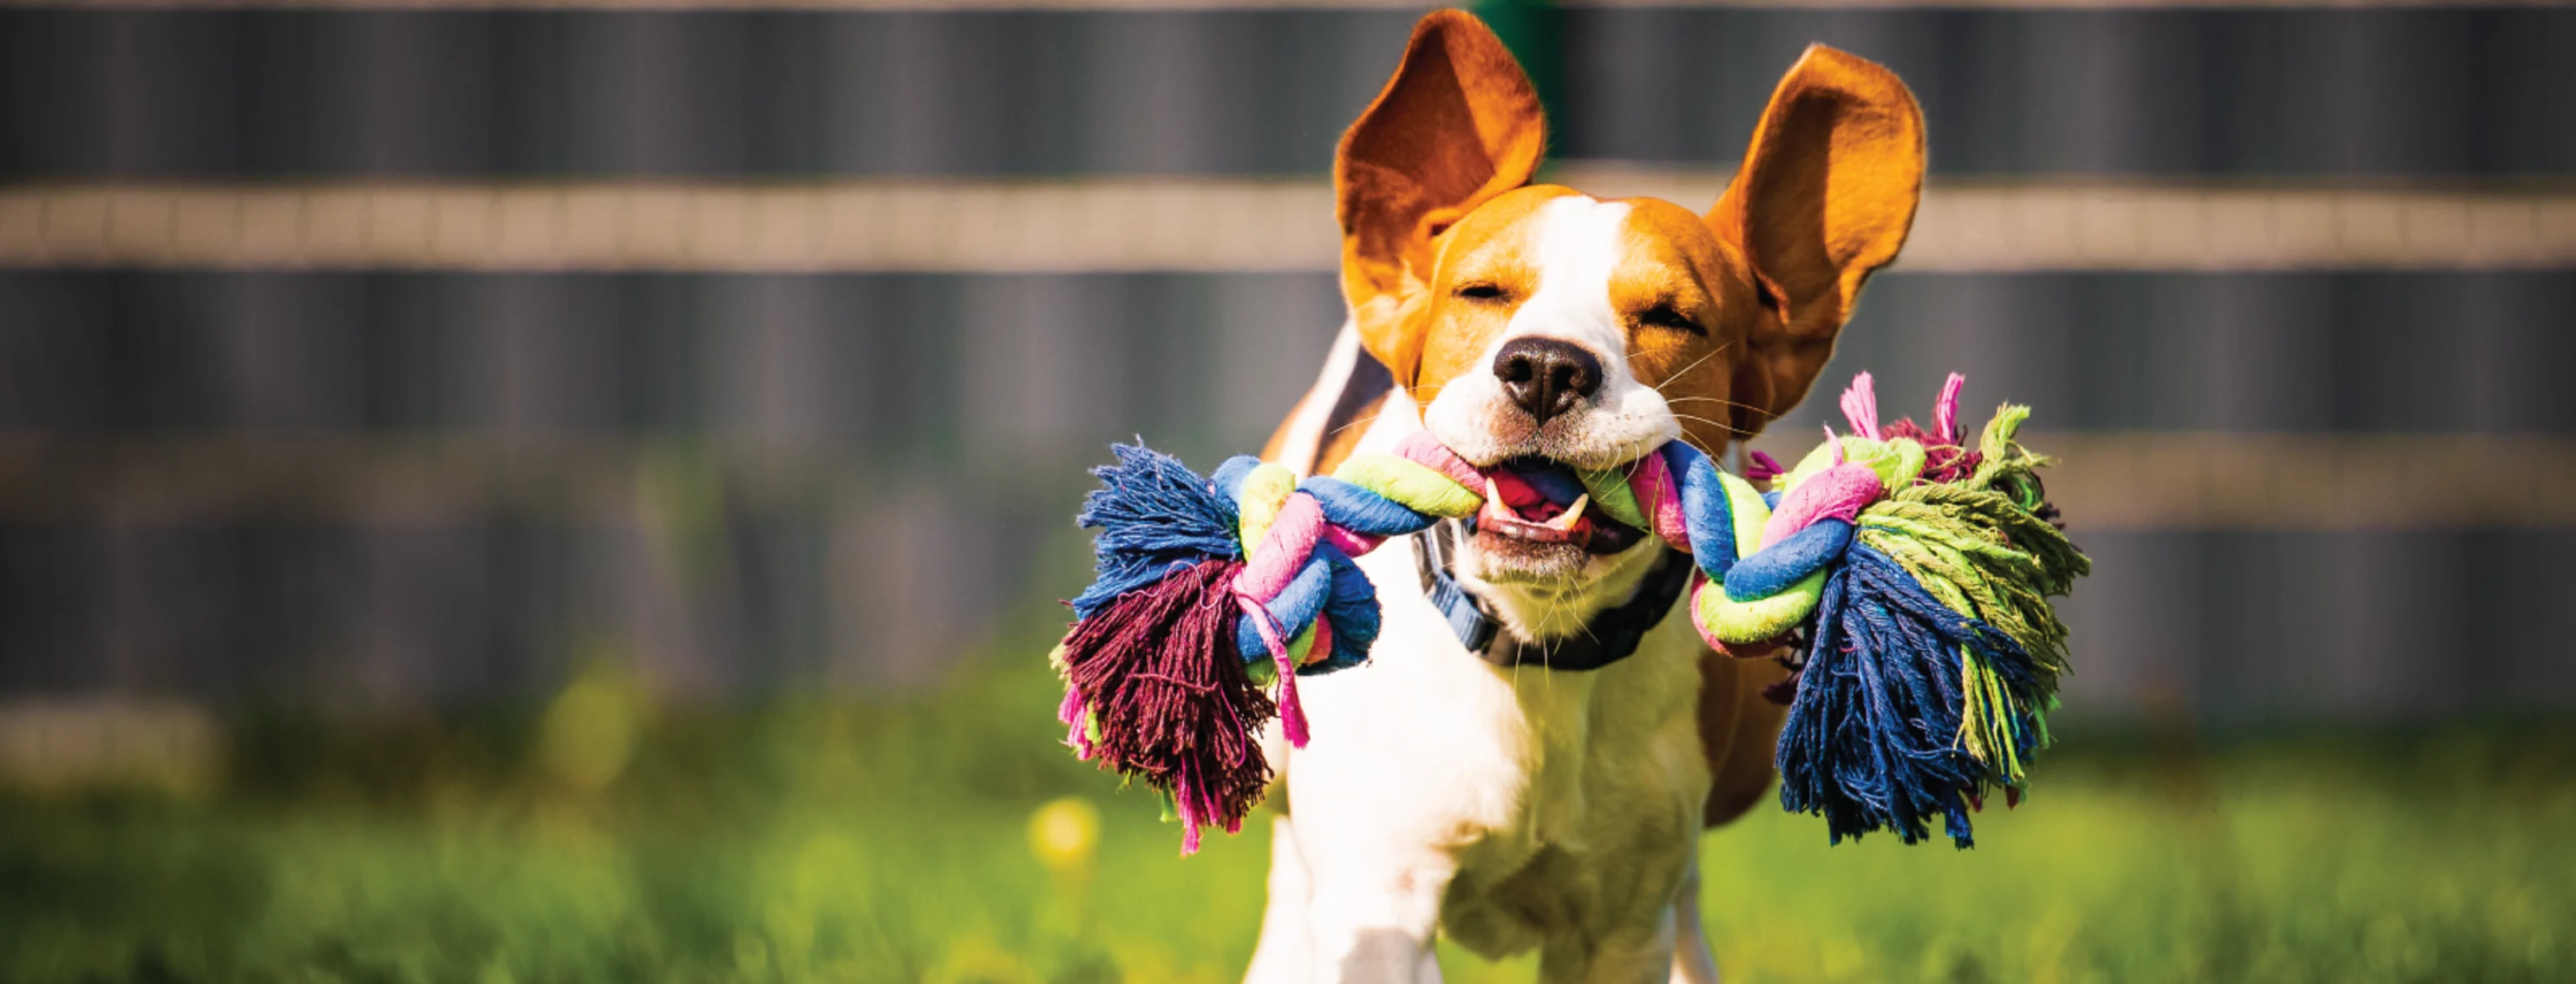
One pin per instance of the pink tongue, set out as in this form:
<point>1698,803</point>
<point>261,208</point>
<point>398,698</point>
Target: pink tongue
<point>1523,500</point>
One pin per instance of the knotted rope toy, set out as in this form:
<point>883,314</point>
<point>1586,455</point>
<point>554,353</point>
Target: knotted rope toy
<point>1917,569</point>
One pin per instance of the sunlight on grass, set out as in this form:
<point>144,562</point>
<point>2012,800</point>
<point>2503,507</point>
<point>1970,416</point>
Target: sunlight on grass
<point>597,838</point>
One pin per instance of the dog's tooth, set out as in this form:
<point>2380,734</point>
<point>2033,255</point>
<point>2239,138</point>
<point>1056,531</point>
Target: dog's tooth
<point>1494,506</point>
<point>1573,514</point>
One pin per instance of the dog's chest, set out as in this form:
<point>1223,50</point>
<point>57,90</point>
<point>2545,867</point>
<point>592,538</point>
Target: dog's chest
<point>1562,798</point>
<point>1612,780</point>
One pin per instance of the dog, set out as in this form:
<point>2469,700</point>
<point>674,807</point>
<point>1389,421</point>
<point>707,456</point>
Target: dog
<point>1526,802</point>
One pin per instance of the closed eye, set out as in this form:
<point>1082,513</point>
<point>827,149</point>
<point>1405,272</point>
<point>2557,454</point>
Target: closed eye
<point>1668,316</point>
<point>1481,292</point>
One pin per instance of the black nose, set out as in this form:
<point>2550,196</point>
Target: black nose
<point>1545,376</point>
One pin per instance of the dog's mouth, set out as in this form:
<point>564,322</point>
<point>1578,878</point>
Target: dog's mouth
<point>1538,507</point>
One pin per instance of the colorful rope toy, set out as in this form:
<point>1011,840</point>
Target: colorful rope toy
<point>1917,569</point>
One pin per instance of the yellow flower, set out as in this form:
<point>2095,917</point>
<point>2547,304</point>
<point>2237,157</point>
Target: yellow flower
<point>1063,832</point>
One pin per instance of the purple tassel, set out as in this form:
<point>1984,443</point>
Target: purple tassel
<point>1156,691</point>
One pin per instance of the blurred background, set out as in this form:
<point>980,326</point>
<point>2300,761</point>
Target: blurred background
<point>578,490</point>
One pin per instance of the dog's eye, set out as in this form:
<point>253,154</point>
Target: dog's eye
<point>1668,316</point>
<point>1481,292</point>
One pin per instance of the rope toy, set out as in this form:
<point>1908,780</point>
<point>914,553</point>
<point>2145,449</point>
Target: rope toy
<point>1917,569</point>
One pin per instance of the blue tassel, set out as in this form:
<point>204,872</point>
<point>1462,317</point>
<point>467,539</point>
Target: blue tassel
<point>1872,740</point>
<point>1155,517</point>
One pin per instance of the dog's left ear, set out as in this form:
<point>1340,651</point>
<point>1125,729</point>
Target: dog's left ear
<point>1825,197</point>
<point>1457,125</point>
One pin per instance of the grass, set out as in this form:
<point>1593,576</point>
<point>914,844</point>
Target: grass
<point>605,838</point>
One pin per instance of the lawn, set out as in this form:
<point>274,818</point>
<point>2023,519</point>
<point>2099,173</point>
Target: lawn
<point>603,837</point>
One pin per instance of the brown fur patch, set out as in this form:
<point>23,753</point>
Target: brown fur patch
<point>1738,731</point>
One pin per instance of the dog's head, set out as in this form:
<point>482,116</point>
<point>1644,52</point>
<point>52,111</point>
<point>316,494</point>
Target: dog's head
<point>1545,328</point>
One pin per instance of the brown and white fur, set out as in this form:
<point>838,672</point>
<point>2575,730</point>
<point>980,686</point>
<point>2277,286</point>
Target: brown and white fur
<point>1520,808</point>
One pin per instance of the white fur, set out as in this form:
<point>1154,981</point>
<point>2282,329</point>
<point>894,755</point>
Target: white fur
<point>1576,243</point>
<point>1508,808</point>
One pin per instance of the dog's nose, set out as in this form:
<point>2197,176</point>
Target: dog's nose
<point>1546,376</point>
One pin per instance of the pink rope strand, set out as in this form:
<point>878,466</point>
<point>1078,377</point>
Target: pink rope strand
<point>1860,406</point>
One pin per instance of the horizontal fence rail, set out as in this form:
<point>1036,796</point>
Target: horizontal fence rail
<point>1214,225</point>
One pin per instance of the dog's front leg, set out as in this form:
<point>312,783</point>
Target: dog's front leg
<point>1374,910</point>
<point>1692,961</point>
<point>1375,937</point>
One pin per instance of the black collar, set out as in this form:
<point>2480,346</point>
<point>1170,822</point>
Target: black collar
<point>1611,636</point>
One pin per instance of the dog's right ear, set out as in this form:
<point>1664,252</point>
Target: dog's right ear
<point>1457,125</point>
<point>1825,198</point>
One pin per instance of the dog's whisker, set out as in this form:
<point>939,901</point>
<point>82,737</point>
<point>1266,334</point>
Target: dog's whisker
<point>1729,428</point>
<point>1710,399</point>
<point>1362,421</point>
<point>1704,420</point>
<point>1677,374</point>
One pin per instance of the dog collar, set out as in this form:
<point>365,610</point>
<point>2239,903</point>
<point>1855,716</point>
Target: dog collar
<point>1610,636</point>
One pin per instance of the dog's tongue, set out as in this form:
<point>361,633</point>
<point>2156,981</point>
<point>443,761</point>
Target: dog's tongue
<point>1530,503</point>
<point>1535,499</point>
<point>1538,491</point>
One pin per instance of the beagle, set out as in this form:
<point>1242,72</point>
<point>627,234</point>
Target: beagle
<point>1531,755</point>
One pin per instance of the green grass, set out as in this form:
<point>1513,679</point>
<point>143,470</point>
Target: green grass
<point>606,839</point>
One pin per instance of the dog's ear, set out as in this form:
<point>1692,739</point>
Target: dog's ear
<point>1825,196</point>
<point>1458,124</point>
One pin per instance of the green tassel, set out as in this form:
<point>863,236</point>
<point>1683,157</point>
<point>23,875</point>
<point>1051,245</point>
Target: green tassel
<point>1980,547</point>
